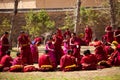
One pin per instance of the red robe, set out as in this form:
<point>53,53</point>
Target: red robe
<point>109,36</point>
<point>58,47</point>
<point>45,60</point>
<point>115,57</point>
<point>75,46</point>
<point>34,50</point>
<point>100,53</point>
<point>67,33</point>
<point>88,35</point>
<point>89,62</point>
<point>17,61</point>
<point>3,48</point>
<point>25,51</point>
<point>108,28</point>
<point>66,60</point>
<point>6,61</point>
<point>117,38</point>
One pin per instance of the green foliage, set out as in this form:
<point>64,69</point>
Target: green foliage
<point>68,23</point>
<point>37,23</point>
<point>5,26</point>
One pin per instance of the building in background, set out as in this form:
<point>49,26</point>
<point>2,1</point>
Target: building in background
<point>27,4</point>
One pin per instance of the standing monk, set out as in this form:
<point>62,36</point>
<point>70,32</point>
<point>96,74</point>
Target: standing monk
<point>75,46</point>
<point>109,34</point>
<point>58,45</point>
<point>88,34</point>
<point>34,49</point>
<point>25,51</point>
<point>4,44</point>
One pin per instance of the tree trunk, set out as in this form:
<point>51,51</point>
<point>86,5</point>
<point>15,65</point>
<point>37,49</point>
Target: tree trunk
<point>77,17</point>
<point>12,20</point>
<point>112,13</point>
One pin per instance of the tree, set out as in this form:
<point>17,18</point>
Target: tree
<point>68,23</point>
<point>38,23</point>
<point>113,13</point>
<point>5,26</point>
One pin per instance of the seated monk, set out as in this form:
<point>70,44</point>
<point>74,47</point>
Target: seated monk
<point>114,59</point>
<point>67,62</point>
<point>45,63</point>
<point>88,61</point>
<point>6,60</point>
<point>17,60</point>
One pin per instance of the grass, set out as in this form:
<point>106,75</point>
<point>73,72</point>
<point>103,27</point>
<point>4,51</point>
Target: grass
<point>39,76</point>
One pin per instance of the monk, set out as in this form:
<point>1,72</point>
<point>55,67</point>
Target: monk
<point>67,33</point>
<point>45,63</point>
<point>100,53</point>
<point>25,51</point>
<point>109,34</point>
<point>114,59</point>
<point>66,45</point>
<point>67,62</point>
<point>117,35</point>
<point>88,61</point>
<point>17,60</point>
<point>88,34</point>
<point>58,39</point>
<point>51,51</point>
<point>75,45</point>
<point>6,60</point>
<point>4,45</point>
<point>34,50</point>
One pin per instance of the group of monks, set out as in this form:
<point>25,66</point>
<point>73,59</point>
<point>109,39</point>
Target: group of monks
<point>62,49</point>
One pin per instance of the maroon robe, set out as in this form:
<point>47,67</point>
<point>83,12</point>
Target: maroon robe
<point>108,28</point>
<point>109,36</point>
<point>100,53</point>
<point>34,50</point>
<point>117,38</point>
<point>88,35</point>
<point>45,60</point>
<point>6,61</point>
<point>75,46</point>
<point>25,51</point>
<point>58,47</point>
<point>115,57</point>
<point>67,33</point>
<point>17,61</point>
<point>67,60</point>
<point>4,46</point>
<point>89,62</point>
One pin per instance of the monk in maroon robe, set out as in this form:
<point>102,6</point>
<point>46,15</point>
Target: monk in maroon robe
<point>17,60</point>
<point>108,28</point>
<point>58,45</point>
<point>67,62</point>
<point>100,53</point>
<point>114,59</point>
<point>34,50</point>
<point>109,34</point>
<point>67,33</point>
<point>45,63</point>
<point>88,61</point>
<point>25,51</point>
<point>88,34</point>
<point>4,44</point>
<point>117,35</point>
<point>75,46</point>
<point>6,60</point>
